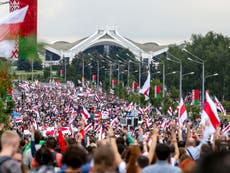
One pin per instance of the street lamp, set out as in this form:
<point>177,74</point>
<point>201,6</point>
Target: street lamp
<point>186,74</point>
<point>215,74</point>
<point>173,72</point>
<point>179,62</point>
<point>198,61</point>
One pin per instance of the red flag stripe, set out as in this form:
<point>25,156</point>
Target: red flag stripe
<point>182,110</point>
<point>215,122</point>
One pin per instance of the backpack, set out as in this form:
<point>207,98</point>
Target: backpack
<point>3,159</point>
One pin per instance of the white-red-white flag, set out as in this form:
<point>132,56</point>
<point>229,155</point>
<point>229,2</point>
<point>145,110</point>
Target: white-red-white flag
<point>88,127</point>
<point>9,30</point>
<point>85,115</point>
<point>146,87</point>
<point>170,111</point>
<point>182,115</point>
<point>219,106</point>
<point>209,113</point>
<point>226,129</point>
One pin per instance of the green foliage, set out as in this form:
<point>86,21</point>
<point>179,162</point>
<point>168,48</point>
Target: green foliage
<point>194,111</point>
<point>6,106</point>
<point>214,49</point>
<point>26,64</point>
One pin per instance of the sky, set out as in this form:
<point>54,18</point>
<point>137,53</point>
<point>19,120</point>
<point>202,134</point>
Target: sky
<point>160,21</point>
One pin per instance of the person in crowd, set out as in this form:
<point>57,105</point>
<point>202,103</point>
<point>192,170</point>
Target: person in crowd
<point>132,153</point>
<point>142,162</point>
<point>213,163</point>
<point>104,160</point>
<point>9,145</point>
<point>30,152</point>
<point>44,160</point>
<point>73,158</point>
<point>162,153</point>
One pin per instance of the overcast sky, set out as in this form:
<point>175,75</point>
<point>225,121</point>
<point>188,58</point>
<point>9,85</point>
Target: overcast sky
<point>161,21</point>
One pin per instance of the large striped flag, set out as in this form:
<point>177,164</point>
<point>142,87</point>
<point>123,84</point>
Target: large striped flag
<point>182,116</point>
<point>146,87</point>
<point>210,114</point>
<point>9,30</point>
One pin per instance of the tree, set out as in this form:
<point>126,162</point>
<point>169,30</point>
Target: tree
<point>213,48</point>
<point>6,104</point>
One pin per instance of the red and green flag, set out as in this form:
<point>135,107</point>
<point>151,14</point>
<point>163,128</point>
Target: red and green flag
<point>134,86</point>
<point>195,97</point>
<point>9,94</point>
<point>62,73</point>
<point>94,78</point>
<point>114,84</point>
<point>157,91</point>
<point>27,42</point>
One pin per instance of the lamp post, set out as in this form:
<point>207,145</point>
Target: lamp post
<point>190,73</point>
<point>215,74</point>
<point>163,79</point>
<point>98,73</point>
<point>198,61</point>
<point>140,72</point>
<point>179,62</point>
<point>212,75</point>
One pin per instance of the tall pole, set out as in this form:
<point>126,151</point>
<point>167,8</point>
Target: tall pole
<point>118,77</point>
<point>110,75</point>
<point>65,68</point>
<point>83,67</point>
<point>50,67</point>
<point>98,73</point>
<point>32,69</point>
<point>203,81</point>
<point>163,79</point>
<point>128,74</point>
<point>140,72</point>
<point>180,79</point>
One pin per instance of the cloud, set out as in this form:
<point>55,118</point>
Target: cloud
<point>140,20</point>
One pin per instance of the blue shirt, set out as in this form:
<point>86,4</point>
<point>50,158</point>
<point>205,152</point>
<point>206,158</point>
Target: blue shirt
<point>161,167</point>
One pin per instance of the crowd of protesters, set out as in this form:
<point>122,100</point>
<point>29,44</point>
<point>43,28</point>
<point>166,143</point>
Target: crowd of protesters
<point>68,129</point>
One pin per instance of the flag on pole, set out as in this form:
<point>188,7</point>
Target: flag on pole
<point>85,115</point>
<point>157,90</point>
<point>134,86</point>
<point>226,129</point>
<point>88,127</point>
<point>219,106</point>
<point>195,97</point>
<point>170,111</point>
<point>182,116</point>
<point>114,84</point>
<point>158,112</point>
<point>111,91</point>
<point>9,30</point>
<point>62,72</point>
<point>146,87</point>
<point>210,114</point>
<point>94,79</point>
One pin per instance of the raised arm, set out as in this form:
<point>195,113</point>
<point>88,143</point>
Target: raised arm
<point>153,144</point>
<point>174,142</point>
<point>118,159</point>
